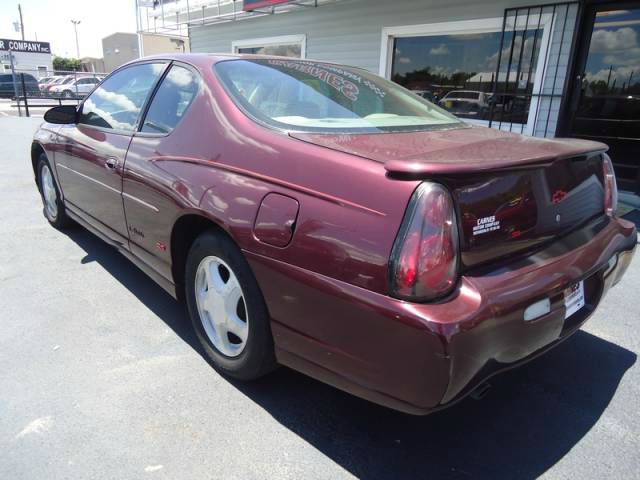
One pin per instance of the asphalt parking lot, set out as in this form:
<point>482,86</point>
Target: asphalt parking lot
<point>101,377</point>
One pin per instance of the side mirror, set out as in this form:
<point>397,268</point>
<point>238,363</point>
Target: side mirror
<point>62,115</point>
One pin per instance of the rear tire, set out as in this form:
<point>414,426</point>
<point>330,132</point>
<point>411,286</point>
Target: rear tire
<point>54,210</point>
<point>227,309</point>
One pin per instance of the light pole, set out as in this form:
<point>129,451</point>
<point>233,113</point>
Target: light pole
<point>21,22</point>
<point>75,27</point>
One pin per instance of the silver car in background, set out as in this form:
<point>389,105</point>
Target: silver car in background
<point>76,87</point>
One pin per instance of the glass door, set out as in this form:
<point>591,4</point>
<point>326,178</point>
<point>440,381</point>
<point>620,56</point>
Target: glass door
<point>606,97</point>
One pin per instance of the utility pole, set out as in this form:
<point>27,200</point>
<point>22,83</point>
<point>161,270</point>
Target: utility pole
<point>15,81</point>
<point>21,23</point>
<point>75,27</point>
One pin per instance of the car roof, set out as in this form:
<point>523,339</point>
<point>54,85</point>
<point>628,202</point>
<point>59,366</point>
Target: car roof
<point>205,60</point>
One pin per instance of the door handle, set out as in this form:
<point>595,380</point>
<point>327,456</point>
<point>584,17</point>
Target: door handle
<point>112,163</point>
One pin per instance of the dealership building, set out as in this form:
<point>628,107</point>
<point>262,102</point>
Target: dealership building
<point>28,56</point>
<point>533,67</point>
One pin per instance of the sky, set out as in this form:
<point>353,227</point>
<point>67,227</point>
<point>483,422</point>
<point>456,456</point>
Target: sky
<point>446,54</point>
<point>470,53</point>
<point>614,53</point>
<point>50,21</point>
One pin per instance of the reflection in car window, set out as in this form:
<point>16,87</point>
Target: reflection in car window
<point>463,94</point>
<point>312,96</point>
<point>117,102</point>
<point>175,94</point>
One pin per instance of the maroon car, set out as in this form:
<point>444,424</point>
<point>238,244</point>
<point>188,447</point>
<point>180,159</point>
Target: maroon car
<point>320,217</point>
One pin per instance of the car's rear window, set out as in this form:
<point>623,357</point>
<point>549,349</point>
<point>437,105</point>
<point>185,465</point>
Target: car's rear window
<point>310,96</point>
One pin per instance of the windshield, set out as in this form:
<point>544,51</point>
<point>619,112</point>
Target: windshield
<point>320,97</point>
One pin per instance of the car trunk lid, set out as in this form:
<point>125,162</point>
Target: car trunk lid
<point>512,192</point>
<point>501,213</point>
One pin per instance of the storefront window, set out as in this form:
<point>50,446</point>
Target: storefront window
<point>458,72</point>
<point>282,46</point>
<point>293,51</point>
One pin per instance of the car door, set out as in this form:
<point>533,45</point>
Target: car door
<point>91,153</point>
<point>148,189</point>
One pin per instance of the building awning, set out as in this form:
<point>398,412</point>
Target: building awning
<point>176,16</point>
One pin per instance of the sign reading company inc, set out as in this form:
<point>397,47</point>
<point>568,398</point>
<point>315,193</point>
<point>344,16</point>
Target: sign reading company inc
<point>251,4</point>
<point>24,46</point>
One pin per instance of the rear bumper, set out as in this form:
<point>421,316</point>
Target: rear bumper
<point>495,335</point>
<point>422,357</point>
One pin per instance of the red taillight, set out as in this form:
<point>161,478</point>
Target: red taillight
<point>424,260</point>
<point>610,187</point>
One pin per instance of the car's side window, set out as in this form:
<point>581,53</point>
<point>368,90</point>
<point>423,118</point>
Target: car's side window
<point>174,95</point>
<point>117,102</point>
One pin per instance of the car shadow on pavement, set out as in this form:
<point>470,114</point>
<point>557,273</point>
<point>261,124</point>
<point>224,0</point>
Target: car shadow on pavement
<point>530,418</point>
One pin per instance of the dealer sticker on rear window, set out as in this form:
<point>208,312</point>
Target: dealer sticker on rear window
<point>486,225</point>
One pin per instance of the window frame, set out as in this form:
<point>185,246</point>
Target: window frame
<point>138,132</point>
<point>272,41</point>
<point>462,27</point>
<point>143,109</point>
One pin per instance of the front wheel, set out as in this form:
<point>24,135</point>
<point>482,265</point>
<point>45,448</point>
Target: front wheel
<point>54,210</point>
<point>227,309</point>
<point>68,94</point>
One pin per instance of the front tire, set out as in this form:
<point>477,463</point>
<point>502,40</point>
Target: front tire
<point>227,308</point>
<point>54,210</point>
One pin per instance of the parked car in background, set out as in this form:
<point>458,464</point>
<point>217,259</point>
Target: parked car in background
<point>321,217</point>
<point>469,103</point>
<point>8,87</point>
<point>427,95</point>
<point>44,80</point>
<point>57,80</point>
<point>75,87</point>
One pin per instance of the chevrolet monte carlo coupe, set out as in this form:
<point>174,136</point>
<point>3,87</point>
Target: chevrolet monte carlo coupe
<point>317,216</point>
